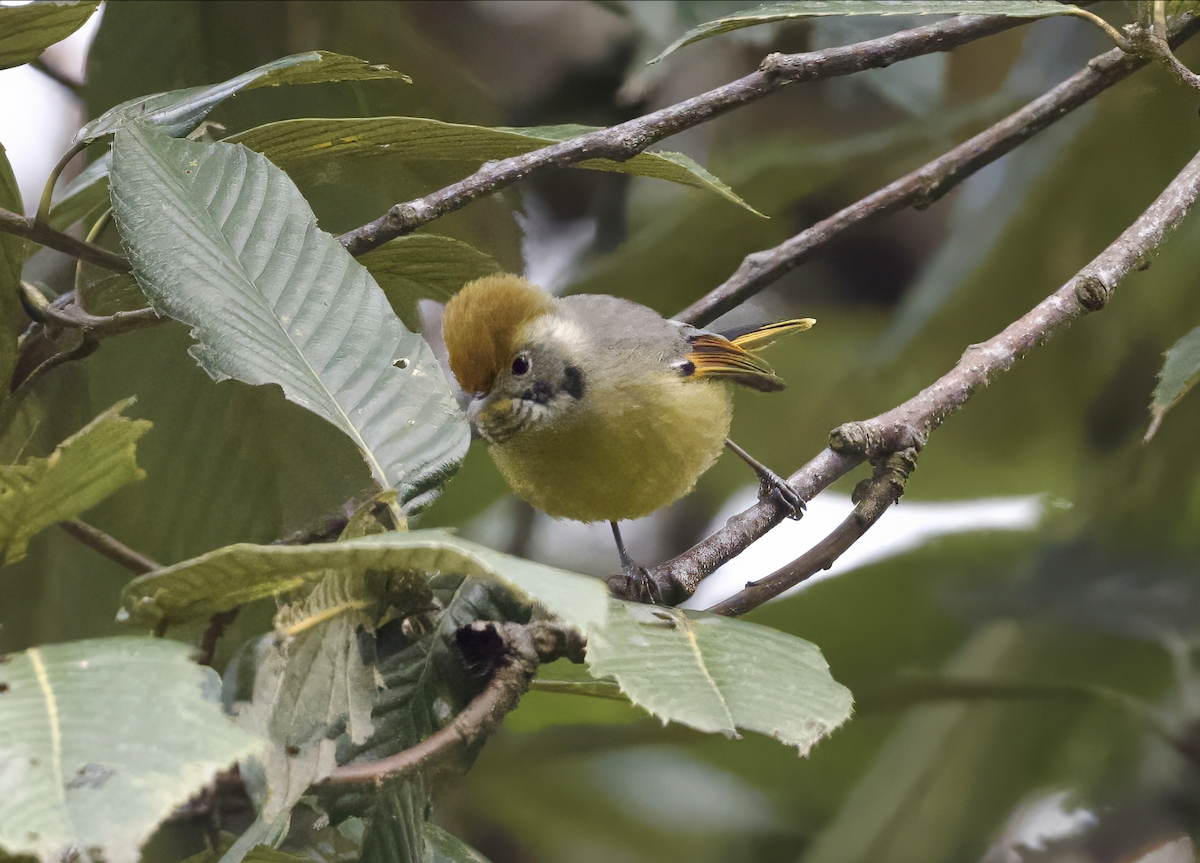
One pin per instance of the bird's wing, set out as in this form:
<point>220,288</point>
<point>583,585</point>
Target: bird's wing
<point>716,355</point>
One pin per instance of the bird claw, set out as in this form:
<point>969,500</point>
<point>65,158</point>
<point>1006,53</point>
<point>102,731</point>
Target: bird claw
<point>773,485</point>
<point>640,585</point>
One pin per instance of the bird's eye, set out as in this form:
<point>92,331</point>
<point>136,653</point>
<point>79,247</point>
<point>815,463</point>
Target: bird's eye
<point>520,365</point>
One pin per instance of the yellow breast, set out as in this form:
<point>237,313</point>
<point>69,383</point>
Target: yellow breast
<point>638,449</point>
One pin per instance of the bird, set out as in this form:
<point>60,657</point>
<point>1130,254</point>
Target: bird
<point>596,408</point>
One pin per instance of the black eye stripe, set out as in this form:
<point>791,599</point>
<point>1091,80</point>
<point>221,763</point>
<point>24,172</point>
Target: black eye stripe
<point>573,382</point>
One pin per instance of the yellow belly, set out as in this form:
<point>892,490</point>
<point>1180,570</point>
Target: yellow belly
<point>637,451</point>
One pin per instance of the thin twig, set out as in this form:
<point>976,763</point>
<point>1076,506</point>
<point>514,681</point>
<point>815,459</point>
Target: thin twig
<point>38,232</point>
<point>113,549</point>
<point>57,76</point>
<point>926,184</point>
<point>873,498</point>
<point>521,649</point>
<point>72,317</point>
<point>909,424</point>
<point>625,140</point>
<point>217,624</point>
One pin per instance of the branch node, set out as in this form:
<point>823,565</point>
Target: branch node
<point>1092,293</point>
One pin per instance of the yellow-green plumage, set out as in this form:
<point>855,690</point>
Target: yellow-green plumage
<point>596,408</point>
<point>638,450</point>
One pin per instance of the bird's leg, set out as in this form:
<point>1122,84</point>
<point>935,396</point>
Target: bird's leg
<point>769,482</point>
<point>640,583</point>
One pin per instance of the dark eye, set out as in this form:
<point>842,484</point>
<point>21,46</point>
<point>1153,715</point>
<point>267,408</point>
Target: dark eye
<point>520,365</point>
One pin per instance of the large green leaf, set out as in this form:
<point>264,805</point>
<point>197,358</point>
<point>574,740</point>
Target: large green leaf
<point>424,267</point>
<point>12,259</point>
<point>315,147</point>
<point>719,674</point>
<point>27,31</point>
<point>771,13</point>
<point>100,740</point>
<point>86,468</point>
<point>221,239</point>
<point>241,573</point>
<point>1179,373</point>
<point>177,112</point>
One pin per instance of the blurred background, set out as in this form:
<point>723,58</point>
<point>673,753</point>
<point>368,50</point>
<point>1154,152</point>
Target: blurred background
<point>1019,633</point>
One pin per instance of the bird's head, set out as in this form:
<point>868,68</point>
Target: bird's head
<point>515,358</point>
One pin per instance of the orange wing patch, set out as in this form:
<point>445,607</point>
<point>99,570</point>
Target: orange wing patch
<point>714,355</point>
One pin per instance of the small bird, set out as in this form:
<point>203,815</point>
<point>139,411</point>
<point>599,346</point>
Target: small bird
<point>596,408</point>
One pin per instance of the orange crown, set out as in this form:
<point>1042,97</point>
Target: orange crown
<point>481,325</point>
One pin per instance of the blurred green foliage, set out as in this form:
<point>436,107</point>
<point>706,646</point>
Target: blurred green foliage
<point>1103,595</point>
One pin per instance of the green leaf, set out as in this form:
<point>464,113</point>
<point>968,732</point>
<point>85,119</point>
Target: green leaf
<point>426,683</point>
<point>85,195</point>
<point>241,573</point>
<point>424,267</point>
<point>719,674</point>
<point>1179,373</point>
<point>177,112</point>
<point>442,847</point>
<point>27,31</point>
<point>771,13</point>
<point>85,469</point>
<point>395,832</point>
<point>311,148</point>
<point>221,239</point>
<point>12,260</point>
<point>100,740</point>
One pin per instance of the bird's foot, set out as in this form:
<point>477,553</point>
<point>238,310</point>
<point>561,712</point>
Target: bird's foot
<point>771,484</point>
<point>640,585</point>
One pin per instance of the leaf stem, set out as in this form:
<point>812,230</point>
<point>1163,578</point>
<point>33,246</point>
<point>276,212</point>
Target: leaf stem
<point>43,211</point>
<point>113,549</point>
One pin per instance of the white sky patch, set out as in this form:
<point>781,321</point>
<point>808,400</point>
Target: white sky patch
<point>38,116</point>
<point>902,528</point>
<point>1035,822</point>
<point>550,248</point>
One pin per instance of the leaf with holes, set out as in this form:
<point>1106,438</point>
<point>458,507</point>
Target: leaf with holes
<point>101,740</point>
<point>26,31</point>
<point>313,148</point>
<point>220,239</point>
<point>177,112</point>
<point>719,674</point>
<point>772,13</point>
<point>1180,372</point>
<point>85,469</point>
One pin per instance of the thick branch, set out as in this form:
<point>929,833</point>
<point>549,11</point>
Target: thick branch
<point>12,223</point>
<point>626,140</point>
<point>926,184</point>
<point>909,424</point>
<point>521,649</point>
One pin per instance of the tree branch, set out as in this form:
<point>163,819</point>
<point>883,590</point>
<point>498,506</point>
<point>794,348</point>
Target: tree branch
<point>71,317</point>
<point>113,549</point>
<point>909,424</point>
<point>625,140</point>
<point>926,184</point>
<point>872,499</point>
<point>42,234</point>
<point>518,650</point>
